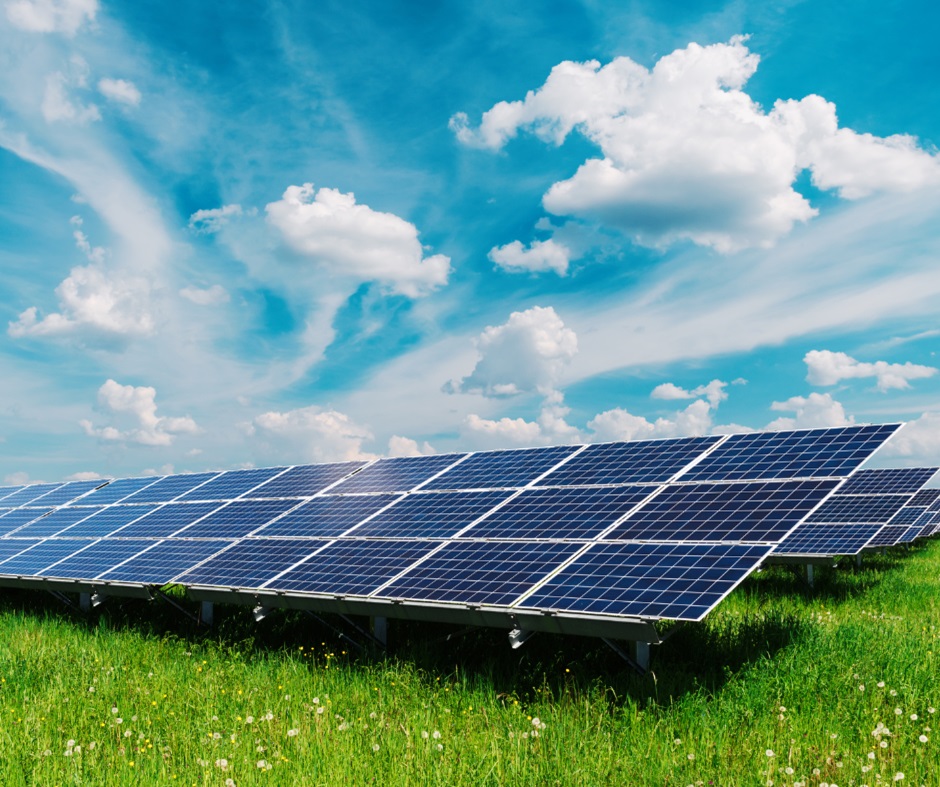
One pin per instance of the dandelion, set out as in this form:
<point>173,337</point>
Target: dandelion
<point>127,733</point>
<point>923,739</point>
<point>424,734</point>
<point>262,764</point>
<point>788,771</point>
<point>316,700</point>
<point>440,747</point>
<point>691,756</point>
<point>221,764</point>
<point>216,736</point>
<point>375,747</point>
<point>229,783</point>
<point>913,717</point>
<point>114,709</point>
<point>436,735</point>
<point>769,752</point>
<point>899,777</point>
<point>861,687</point>
<point>249,719</point>
<point>898,711</point>
<point>119,720</point>
<point>292,733</point>
<point>871,755</point>
<point>536,721</point>
<point>866,768</point>
<point>883,744</point>
<point>881,684</point>
<point>320,711</point>
<point>893,693</point>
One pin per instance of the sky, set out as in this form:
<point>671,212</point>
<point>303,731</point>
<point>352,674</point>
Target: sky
<point>281,232</point>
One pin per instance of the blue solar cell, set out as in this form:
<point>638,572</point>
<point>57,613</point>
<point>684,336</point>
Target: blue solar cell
<point>431,515</point>
<point>238,519</point>
<point>672,581</point>
<point>5,492</point>
<point>169,487</point>
<point>232,484</point>
<point>886,537</point>
<point>909,535</point>
<point>827,540</point>
<point>250,563</point>
<point>67,493</point>
<point>907,515</point>
<point>897,481</point>
<point>501,469</point>
<point>640,462</point>
<point>42,555</point>
<point>327,516</point>
<point>925,497</point>
<point>567,512</point>
<point>116,490</point>
<point>165,520</point>
<point>400,474</point>
<point>18,517</point>
<point>55,522</point>
<point>96,559</point>
<point>753,511</point>
<point>306,480</point>
<point>351,568</point>
<point>164,561</point>
<point>480,572</point>
<point>871,509</point>
<point>107,521</point>
<point>27,494</point>
<point>13,546</point>
<point>817,453</point>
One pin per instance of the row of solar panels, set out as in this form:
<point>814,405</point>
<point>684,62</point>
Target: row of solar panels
<point>652,529</point>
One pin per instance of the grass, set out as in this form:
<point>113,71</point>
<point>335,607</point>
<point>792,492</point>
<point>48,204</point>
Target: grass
<point>780,685</point>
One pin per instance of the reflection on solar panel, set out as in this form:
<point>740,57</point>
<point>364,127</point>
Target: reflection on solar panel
<point>233,484</point>
<point>431,515</point>
<point>306,480</point>
<point>27,494</point>
<point>169,488</point>
<point>672,581</point>
<point>900,481</point>
<point>560,513</point>
<point>327,516</point>
<point>165,520</point>
<point>66,493</point>
<point>860,508</point>
<point>94,560</point>
<point>163,562</point>
<point>400,474</point>
<point>480,572</point>
<point>813,452</point>
<point>53,523</point>
<point>645,461</point>
<point>251,563</point>
<point>888,536</point>
<point>19,516</point>
<point>107,521</point>
<point>761,511</point>
<point>827,540</point>
<point>238,519</point>
<point>501,469</point>
<point>116,490</point>
<point>32,561</point>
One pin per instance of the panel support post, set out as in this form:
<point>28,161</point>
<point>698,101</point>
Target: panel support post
<point>380,630</point>
<point>84,602</point>
<point>518,636</point>
<point>809,574</point>
<point>858,560</point>
<point>206,613</point>
<point>637,655</point>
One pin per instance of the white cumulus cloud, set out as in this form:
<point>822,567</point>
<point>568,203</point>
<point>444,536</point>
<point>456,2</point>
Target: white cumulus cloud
<point>620,424</point>
<point>405,446</point>
<point>133,410</point>
<point>813,411</point>
<point>351,240</point>
<point>51,16</point>
<point>213,219</point>
<point>311,434</point>
<point>59,105</point>
<point>548,255</point>
<point>207,296</point>
<point>120,90</point>
<point>918,439</point>
<point>714,392</point>
<point>825,367</point>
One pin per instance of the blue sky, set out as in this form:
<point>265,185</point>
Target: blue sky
<point>278,233</point>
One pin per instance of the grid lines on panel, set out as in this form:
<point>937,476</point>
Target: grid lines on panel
<point>480,572</point>
<point>18,517</point>
<point>888,536</point>
<point>907,515</point>
<point>897,481</point>
<point>97,558</point>
<point>234,483</point>
<point>305,480</point>
<point>164,562</point>
<point>800,454</point>
<point>237,519</point>
<point>925,497</point>
<point>165,520</point>
<point>12,547</point>
<point>168,488</point>
<point>40,556</point>
<point>559,513</point>
<point>399,474</point>
<point>66,493</point>
<point>54,522</point>
<point>107,521</point>
<point>671,581</point>
<point>5,492</point>
<point>909,535</point>
<point>28,494</point>
<point>827,540</point>
<point>753,511</point>
<point>116,490</point>
<point>873,509</point>
<point>639,462</point>
<point>327,516</point>
<point>251,563</point>
<point>501,469</point>
<point>430,515</point>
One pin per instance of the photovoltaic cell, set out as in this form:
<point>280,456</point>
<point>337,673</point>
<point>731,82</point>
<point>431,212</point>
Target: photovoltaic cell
<point>909,535</point>
<point>400,474</point>
<point>351,567</point>
<point>306,480</point>
<point>66,493</point>
<point>755,511</point>
<point>6,491</point>
<point>53,523</point>
<point>827,540</point>
<point>165,561</point>
<point>907,515</point>
<point>116,490</point>
<point>501,469</point>
<point>327,516</point>
<point>237,519</point>
<point>807,453</point>
<point>250,563</point>
<point>11,547</point>
<point>94,560</point>
<point>480,572</point>
<point>872,509</point>
<point>18,517</point>
<point>924,497</point>
<point>40,556</point>
<point>27,494</point>
<point>431,515</point>
<point>234,483</point>
<point>886,537</point>
<point>107,521</point>
<point>165,520</point>
<point>671,581</point>
<point>898,481</point>
<point>639,462</point>
<point>567,512</point>
<point>169,487</point>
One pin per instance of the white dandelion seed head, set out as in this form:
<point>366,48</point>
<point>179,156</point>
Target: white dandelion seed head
<point>898,777</point>
<point>439,746</point>
<point>320,710</point>
<point>913,717</point>
<point>424,734</point>
<point>923,739</point>
<point>292,733</point>
<point>436,734</point>
<point>375,747</point>
<point>769,752</point>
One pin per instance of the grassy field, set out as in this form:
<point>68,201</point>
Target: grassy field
<point>781,685</point>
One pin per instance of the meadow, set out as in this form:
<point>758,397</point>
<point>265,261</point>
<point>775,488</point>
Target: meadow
<point>781,685</point>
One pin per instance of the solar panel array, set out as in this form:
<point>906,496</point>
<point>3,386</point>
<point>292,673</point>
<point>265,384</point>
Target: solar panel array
<point>632,530</point>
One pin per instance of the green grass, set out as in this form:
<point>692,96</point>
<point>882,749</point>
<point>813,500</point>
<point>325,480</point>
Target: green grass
<point>772,681</point>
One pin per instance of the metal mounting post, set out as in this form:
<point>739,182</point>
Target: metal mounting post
<point>84,602</point>
<point>206,613</point>
<point>638,657</point>
<point>174,603</point>
<point>380,630</point>
<point>518,637</point>
<point>858,560</point>
<point>809,574</point>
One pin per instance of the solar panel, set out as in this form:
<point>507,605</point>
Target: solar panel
<point>53,523</point>
<point>237,519</point>
<point>671,581</point>
<point>251,562</point>
<point>33,560</point>
<point>107,521</point>
<point>827,540</point>
<point>95,559</point>
<point>501,469</point>
<point>325,517</point>
<point>799,454</point>
<point>888,536</point>
<point>27,494</point>
<point>899,481</point>
<point>164,561</point>
<point>431,515</point>
<point>909,535</point>
<point>234,483</point>
<point>165,520</point>
<point>11,547</point>
<point>351,567</point>
<point>6,491</point>
<point>480,572</point>
<point>566,512</point>
<point>925,497</point>
<point>18,517</point>
<point>67,493</point>
<point>117,490</point>
<point>907,515</point>
<point>306,480</point>
<point>754,511</point>
<point>640,462</point>
<point>874,509</point>
<point>400,474</point>
<point>168,488</point>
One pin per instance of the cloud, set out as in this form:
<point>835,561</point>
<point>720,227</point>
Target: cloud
<point>136,407</point>
<point>405,446</point>
<point>95,254</point>
<point>815,410</point>
<point>549,428</point>
<point>352,240</point>
<point>85,475</point>
<point>619,424</point>
<point>688,155</point>
<point>505,431</point>
<point>213,219</point>
<point>311,434</point>
<point>51,16</point>
<point>119,90</point>
<point>210,296</point>
<point>918,439</point>
<point>59,106</point>
<point>17,478</point>
<point>547,255</point>
<point>527,353</point>
<point>825,367</point>
<point>714,392</point>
